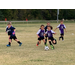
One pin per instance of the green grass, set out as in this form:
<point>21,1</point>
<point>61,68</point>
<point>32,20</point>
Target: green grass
<point>30,54</point>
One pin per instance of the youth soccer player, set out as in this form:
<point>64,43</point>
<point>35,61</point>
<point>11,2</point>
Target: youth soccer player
<point>7,25</point>
<point>40,35</point>
<point>50,33</point>
<point>11,33</point>
<point>61,27</point>
<point>48,24</point>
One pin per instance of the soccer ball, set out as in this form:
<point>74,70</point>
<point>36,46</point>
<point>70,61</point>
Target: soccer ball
<point>46,48</point>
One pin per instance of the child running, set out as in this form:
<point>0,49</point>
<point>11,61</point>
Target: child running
<point>41,34</point>
<point>8,30</point>
<point>11,33</point>
<point>61,27</point>
<point>50,33</point>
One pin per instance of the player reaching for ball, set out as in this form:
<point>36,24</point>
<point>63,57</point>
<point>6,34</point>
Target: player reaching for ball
<point>41,34</point>
<point>50,33</point>
<point>11,33</point>
<point>61,27</point>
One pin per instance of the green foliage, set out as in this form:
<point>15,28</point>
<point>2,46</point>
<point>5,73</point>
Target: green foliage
<point>36,14</point>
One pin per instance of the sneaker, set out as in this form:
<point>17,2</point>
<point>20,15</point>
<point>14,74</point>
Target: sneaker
<point>36,44</point>
<point>8,45</point>
<point>20,44</point>
<point>52,46</point>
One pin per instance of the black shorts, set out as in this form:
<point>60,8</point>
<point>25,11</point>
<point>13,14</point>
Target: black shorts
<point>50,38</point>
<point>62,34</point>
<point>13,37</point>
<point>40,38</point>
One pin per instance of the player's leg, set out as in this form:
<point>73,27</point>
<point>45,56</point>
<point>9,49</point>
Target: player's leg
<point>54,41</point>
<point>50,39</point>
<point>10,40</point>
<point>44,42</point>
<point>39,41</point>
<point>46,39</point>
<point>62,36</point>
<point>15,38</point>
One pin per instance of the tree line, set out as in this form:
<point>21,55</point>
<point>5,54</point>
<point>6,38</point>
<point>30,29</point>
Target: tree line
<point>36,14</point>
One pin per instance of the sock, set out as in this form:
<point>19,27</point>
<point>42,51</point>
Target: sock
<point>62,38</point>
<point>19,42</point>
<point>45,44</point>
<point>9,43</point>
<point>50,43</point>
<point>46,40</point>
<point>37,43</point>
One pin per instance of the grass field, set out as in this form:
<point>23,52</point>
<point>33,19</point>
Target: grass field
<point>30,54</point>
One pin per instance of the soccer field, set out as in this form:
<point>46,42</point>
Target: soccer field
<point>30,54</point>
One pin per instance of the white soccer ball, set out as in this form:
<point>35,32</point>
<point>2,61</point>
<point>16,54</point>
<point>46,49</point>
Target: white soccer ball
<point>46,48</point>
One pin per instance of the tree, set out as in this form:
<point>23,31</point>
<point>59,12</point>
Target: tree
<point>1,15</point>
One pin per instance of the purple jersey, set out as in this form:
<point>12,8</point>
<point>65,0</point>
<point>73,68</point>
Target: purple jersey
<point>61,28</point>
<point>41,33</point>
<point>50,33</point>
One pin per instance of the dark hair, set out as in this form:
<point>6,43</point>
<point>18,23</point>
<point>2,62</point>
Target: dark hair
<point>61,21</point>
<point>41,26</point>
<point>50,27</point>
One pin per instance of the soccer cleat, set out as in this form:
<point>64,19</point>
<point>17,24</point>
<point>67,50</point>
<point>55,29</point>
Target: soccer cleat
<point>36,44</point>
<point>52,46</point>
<point>20,44</point>
<point>8,45</point>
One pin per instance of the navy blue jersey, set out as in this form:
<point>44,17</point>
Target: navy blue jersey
<point>10,31</point>
<point>45,28</point>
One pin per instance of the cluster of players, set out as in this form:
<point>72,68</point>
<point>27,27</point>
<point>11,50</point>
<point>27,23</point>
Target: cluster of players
<point>47,32</point>
<point>43,33</point>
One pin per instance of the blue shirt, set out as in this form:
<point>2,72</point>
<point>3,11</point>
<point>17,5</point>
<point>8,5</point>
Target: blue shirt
<point>45,28</point>
<point>10,31</point>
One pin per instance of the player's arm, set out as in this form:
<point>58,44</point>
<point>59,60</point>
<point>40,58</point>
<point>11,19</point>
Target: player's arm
<point>53,32</point>
<point>14,30</point>
<point>38,33</point>
<point>57,27</point>
<point>65,28</point>
<point>46,33</point>
<point>6,30</point>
